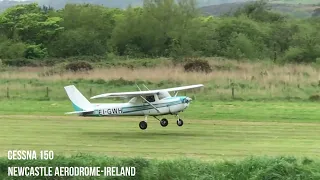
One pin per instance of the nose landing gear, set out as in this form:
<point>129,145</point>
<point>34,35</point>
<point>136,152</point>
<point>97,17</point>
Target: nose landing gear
<point>179,122</point>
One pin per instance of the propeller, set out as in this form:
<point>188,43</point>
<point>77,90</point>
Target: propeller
<point>187,100</point>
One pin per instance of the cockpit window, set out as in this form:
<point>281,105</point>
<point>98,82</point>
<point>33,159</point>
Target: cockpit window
<point>163,95</point>
<point>150,98</point>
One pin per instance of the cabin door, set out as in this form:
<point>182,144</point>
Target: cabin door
<point>153,99</point>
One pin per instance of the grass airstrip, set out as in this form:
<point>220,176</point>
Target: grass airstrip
<point>212,131</point>
<point>245,110</point>
<point>259,120</point>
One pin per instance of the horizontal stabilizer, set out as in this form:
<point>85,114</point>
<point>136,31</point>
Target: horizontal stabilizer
<point>78,112</point>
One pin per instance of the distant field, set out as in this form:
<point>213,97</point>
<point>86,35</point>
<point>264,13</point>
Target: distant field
<point>296,1</point>
<point>295,8</point>
<point>250,80</point>
<point>217,130</point>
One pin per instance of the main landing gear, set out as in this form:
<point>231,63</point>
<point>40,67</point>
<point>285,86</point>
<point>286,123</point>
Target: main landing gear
<point>143,124</point>
<point>163,122</point>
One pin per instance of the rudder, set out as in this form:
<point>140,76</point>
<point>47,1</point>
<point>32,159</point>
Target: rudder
<point>79,102</point>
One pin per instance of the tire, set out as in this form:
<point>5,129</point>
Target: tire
<point>179,122</point>
<point>164,122</point>
<point>143,125</point>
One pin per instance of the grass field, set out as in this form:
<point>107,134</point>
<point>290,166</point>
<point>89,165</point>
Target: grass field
<point>274,112</point>
<point>212,131</point>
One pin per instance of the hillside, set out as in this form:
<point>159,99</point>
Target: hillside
<point>300,10</point>
<point>296,8</point>
<point>58,4</point>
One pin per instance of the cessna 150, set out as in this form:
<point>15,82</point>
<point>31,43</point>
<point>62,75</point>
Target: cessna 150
<point>142,103</point>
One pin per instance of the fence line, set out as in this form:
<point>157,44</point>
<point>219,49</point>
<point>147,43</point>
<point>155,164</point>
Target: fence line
<point>47,92</point>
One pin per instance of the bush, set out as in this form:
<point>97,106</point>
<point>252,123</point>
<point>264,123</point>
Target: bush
<point>19,62</point>
<point>10,49</point>
<point>198,65</point>
<point>79,66</point>
<point>35,52</point>
<point>314,97</point>
<point>240,47</point>
<point>296,54</point>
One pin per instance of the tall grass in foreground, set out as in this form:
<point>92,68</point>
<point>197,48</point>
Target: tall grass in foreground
<point>250,81</point>
<point>254,168</point>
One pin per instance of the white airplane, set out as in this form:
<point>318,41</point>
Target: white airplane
<point>142,103</point>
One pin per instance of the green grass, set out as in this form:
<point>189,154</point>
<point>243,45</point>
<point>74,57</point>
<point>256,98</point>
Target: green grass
<point>271,115</point>
<point>250,168</point>
<point>215,130</point>
<point>204,110</point>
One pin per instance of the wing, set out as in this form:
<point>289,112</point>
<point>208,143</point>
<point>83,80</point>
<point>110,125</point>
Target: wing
<point>144,93</point>
<point>183,88</point>
<point>126,94</point>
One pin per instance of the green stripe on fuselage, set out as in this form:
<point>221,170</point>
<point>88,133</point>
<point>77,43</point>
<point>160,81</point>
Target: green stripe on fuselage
<point>146,107</point>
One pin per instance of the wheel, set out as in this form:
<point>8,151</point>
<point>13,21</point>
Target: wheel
<point>179,122</point>
<point>164,122</point>
<point>143,125</point>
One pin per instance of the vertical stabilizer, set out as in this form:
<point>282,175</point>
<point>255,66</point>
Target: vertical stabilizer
<point>79,102</point>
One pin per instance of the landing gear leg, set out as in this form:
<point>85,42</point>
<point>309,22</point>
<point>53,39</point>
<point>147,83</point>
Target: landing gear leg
<point>179,121</point>
<point>143,124</point>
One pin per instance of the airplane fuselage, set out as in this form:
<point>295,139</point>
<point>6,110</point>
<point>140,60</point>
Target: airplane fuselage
<point>169,105</point>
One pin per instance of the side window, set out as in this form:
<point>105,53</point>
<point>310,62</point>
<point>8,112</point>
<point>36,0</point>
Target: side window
<point>150,98</point>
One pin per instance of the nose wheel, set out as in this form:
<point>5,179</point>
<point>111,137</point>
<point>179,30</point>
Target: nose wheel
<point>179,122</point>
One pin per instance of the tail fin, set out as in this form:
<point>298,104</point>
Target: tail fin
<point>79,102</point>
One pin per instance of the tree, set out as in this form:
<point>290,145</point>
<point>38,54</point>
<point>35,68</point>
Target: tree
<point>259,11</point>
<point>316,12</point>
<point>156,28</point>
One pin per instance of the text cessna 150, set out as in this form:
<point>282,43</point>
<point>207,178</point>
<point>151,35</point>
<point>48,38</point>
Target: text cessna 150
<point>142,103</point>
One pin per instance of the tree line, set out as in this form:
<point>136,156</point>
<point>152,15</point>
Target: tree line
<point>165,28</point>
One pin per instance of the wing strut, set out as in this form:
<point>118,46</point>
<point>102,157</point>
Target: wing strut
<point>150,104</point>
<point>146,87</point>
<point>138,87</point>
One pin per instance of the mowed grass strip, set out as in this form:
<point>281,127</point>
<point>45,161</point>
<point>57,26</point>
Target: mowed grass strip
<point>115,136</point>
<point>204,110</point>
